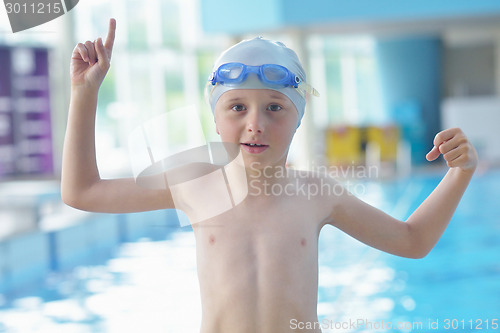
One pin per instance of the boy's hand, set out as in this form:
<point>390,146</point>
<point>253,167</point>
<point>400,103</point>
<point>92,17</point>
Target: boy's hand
<point>456,149</point>
<point>90,61</point>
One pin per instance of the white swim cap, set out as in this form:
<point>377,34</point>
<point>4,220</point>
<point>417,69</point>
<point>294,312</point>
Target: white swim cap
<point>256,52</point>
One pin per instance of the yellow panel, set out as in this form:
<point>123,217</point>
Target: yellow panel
<point>343,145</point>
<point>386,138</point>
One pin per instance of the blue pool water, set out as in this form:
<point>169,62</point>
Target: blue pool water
<point>457,286</point>
<point>151,286</point>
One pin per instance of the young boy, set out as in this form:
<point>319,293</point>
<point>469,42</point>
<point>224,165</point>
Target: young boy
<point>257,262</point>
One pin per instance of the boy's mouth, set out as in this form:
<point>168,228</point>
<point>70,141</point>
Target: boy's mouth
<point>254,148</point>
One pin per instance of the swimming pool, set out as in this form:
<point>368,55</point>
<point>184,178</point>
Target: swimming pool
<point>455,288</point>
<point>151,286</point>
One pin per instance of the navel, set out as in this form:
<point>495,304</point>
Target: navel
<point>303,241</point>
<point>211,239</point>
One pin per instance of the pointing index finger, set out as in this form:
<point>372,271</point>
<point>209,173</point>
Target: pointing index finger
<point>110,39</point>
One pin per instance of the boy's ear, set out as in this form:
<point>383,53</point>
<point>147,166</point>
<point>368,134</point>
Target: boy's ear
<point>216,127</point>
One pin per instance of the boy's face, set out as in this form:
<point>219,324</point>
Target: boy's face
<point>257,116</point>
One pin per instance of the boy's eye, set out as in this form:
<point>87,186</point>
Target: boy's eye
<point>238,108</point>
<point>274,107</point>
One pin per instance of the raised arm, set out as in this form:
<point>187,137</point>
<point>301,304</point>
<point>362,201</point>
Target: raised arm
<point>431,218</point>
<point>416,237</point>
<point>81,185</point>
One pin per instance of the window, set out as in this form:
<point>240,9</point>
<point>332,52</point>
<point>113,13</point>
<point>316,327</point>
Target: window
<point>349,79</point>
<point>161,62</point>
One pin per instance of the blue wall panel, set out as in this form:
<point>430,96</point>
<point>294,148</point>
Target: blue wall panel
<point>316,11</point>
<point>237,17</point>
<point>411,82</point>
<point>240,16</point>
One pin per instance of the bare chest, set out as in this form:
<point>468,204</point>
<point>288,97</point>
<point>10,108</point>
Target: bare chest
<point>259,239</point>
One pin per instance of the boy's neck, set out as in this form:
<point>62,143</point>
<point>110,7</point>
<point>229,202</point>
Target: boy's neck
<point>256,178</point>
<point>271,173</point>
<point>263,180</point>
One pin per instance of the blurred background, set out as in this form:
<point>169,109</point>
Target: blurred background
<point>391,74</point>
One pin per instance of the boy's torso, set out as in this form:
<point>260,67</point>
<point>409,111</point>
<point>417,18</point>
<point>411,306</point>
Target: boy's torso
<point>258,265</point>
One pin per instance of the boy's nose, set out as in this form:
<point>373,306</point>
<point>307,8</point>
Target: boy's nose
<point>255,122</point>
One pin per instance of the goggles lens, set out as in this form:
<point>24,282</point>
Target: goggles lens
<point>230,72</point>
<point>275,73</point>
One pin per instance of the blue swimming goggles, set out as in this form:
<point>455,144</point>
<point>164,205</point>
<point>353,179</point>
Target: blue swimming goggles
<point>271,75</point>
